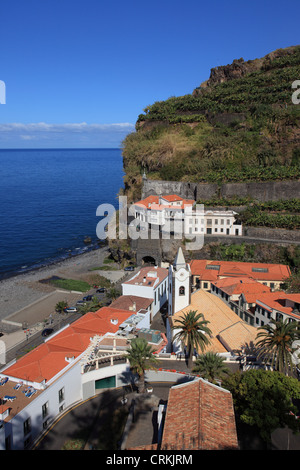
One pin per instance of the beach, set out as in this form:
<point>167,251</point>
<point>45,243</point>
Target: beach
<point>25,289</point>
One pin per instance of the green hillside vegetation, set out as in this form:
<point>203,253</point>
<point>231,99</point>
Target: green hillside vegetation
<point>243,129</point>
<point>274,214</point>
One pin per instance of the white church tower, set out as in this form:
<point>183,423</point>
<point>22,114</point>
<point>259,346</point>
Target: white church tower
<point>179,284</point>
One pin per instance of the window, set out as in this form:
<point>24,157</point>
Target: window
<point>228,221</point>
<point>213,266</point>
<point>205,285</point>
<point>209,221</point>
<point>181,290</point>
<point>27,426</point>
<point>216,221</point>
<point>61,394</point>
<point>260,270</point>
<point>45,409</point>
<point>279,316</point>
<point>222,221</point>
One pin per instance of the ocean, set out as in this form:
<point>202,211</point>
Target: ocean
<point>48,203</point>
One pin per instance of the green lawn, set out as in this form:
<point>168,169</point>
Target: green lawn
<point>71,284</point>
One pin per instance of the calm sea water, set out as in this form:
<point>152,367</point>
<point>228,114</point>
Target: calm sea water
<point>49,200</point>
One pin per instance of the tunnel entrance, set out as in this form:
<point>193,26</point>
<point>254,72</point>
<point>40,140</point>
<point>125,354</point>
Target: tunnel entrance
<point>149,260</point>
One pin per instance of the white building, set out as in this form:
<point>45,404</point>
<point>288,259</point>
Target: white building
<point>70,366</point>
<point>173,214</point>
<point>151,283</point>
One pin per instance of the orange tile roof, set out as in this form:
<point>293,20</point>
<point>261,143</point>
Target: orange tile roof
<point>153,202</point>
<point>199,415</point>
<point>48,359</point>
<point>293,297</point>
<point>236,286</point>
<point>276,272</point>
<point>172,198</point>
<point>276,301</point>
<point>126,302</point>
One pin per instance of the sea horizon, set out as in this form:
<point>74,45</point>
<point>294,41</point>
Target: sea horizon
<point>49,202</point>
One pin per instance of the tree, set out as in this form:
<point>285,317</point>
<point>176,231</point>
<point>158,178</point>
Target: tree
<point>141,358</point>
<point>91,306</point>
<point>264,399</point>
<point>210,366</point>
<point>276,344</point>
<point>193,333</point>
<point>60,306</point>
<point>113,293</point>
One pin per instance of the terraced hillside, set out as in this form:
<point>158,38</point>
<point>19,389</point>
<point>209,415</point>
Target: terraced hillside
<point>240,125</point>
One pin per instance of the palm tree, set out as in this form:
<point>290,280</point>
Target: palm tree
<point>210,366</point>
<point>193,332</point>
<point>276,343</point>
<point>141,358</point>
<point>113,293</point>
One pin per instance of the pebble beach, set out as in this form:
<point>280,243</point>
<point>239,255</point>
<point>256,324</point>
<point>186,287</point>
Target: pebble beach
<point>20,291</point>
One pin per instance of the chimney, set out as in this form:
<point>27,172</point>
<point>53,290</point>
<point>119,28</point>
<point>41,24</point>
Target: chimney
<point>134,306</point>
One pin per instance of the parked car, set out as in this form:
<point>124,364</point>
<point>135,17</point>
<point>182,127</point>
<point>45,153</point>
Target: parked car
<point>47,331</point>
<point>129,268</point>
<point>70,310</point>
<point>88,298</point>
<point>101,290</point>
<point>80,302</point>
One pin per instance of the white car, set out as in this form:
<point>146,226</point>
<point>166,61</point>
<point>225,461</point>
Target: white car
<point>70,310</point>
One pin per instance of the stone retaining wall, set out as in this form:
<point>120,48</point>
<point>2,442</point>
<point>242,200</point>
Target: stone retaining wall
<point>262,191</point>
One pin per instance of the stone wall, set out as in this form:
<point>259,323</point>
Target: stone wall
<point>262,191</point>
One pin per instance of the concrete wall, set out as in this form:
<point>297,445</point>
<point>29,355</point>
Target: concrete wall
<point>262,191</point>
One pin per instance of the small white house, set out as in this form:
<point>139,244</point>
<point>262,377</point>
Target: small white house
<point>151,283</point>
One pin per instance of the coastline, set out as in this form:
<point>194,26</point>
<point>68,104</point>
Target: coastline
<point>19,291</point>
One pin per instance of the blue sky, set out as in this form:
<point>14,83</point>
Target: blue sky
<point>78,73</point>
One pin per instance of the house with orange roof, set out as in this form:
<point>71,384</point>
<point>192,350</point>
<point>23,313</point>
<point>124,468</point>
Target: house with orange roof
<point>204,272</point>
<point>199,416</point>
<point>255,302</point>
<point>278,306</point>
<point>70,366</point>
<point>174,214</point>
<point>240,294</point>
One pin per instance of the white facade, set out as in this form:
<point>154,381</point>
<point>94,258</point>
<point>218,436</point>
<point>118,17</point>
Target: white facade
<point>62,391</point>
<point>150,283</point>
<point>185,217</point>
<point>179,284</point>
<point>179,295</point>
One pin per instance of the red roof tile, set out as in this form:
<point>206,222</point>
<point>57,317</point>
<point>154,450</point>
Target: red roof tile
<point>48,359</point>
<point>236,286</point>
<point>199,415</point>
<point>275,272</point>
